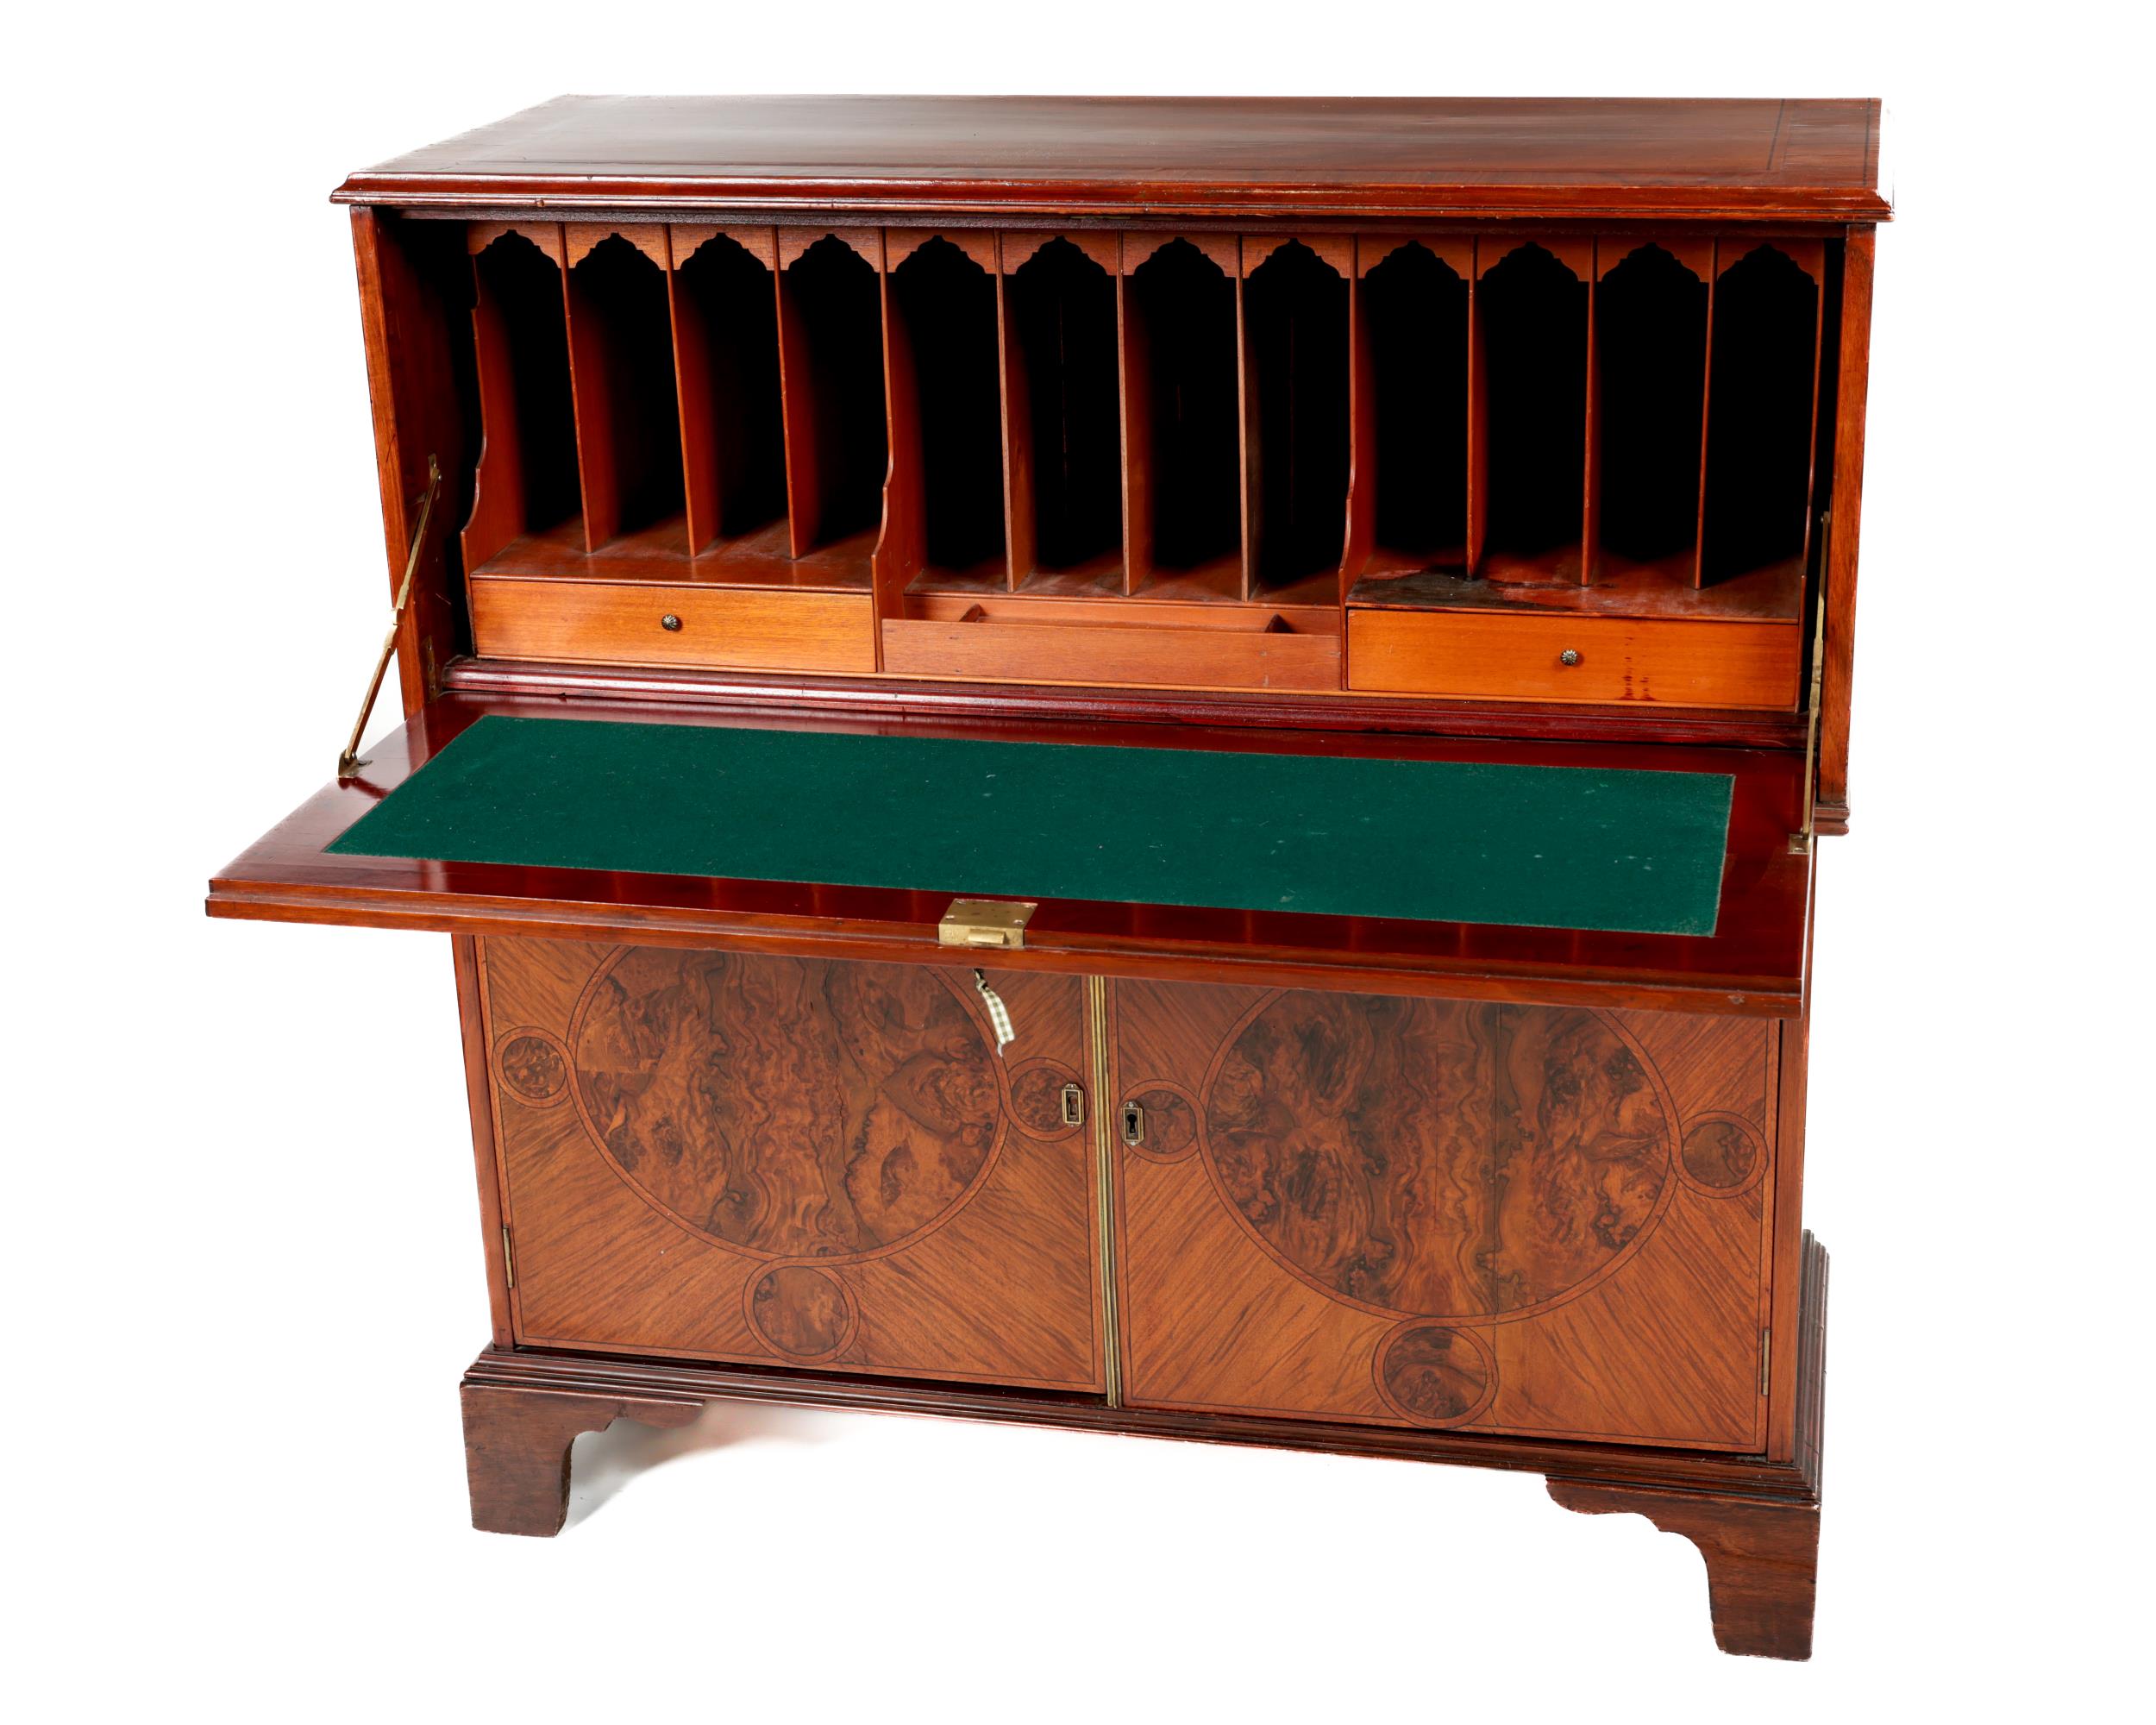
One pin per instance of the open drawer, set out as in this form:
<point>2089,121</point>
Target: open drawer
<point>1624,875</point>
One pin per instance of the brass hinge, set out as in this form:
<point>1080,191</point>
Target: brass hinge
<point>508,1260</point>
<point>986,922</point>
<point>1766,1357</point>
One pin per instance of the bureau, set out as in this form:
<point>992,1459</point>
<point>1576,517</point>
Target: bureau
<point>1149,765</point>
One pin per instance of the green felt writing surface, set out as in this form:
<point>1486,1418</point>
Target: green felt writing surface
<point>1552,847</point>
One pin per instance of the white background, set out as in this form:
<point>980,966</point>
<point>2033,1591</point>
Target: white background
<point>242,1262</point>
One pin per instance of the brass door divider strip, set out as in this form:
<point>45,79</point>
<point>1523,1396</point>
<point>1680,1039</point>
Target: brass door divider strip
<point>1104,1112</point>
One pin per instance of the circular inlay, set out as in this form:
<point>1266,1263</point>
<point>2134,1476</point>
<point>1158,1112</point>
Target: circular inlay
<point>1438,1157</point>
<point>1435,1376</point>
<point>533,1068</point>
<point>800,1311</point>
<point>1171,1124</point>
<point>1037,1099</point>
<point>1723,1153</point>
<point>788,1108</point>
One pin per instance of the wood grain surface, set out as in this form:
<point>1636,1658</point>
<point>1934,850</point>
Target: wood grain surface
<point>1445,1212</point>
<point>1752,964</point>
<point>723,1155</point>
<point>1762,1559</point>
<point>1634,661</point>
<point>624,623</point>
<point>1188,422</point>
<point>1745,159</point>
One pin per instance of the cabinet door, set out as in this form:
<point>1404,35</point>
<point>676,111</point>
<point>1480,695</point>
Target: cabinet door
<point>793,1162</point>
<point>1534,1220</point>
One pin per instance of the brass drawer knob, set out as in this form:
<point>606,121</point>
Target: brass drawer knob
<point>1571,655</point>
<point>670,622</point>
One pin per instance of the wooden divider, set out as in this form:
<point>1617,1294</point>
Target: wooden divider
<point>832,388</point>
<point>1059,327</point>
<point>1297,358</point>
<point>1359,536</point>
<point>1762,430</point>
<point>723,297</point>
<point>1411,417</point>
<point>1183,414</point>
<point>527,476</point>
<point>947,440</point>
<point>1652,310</point>
<point>991,439</point>
<point>1533,322</point>
<point>621,367</point>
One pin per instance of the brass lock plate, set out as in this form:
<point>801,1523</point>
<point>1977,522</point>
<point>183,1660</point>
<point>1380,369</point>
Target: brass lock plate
<point>985,922</point>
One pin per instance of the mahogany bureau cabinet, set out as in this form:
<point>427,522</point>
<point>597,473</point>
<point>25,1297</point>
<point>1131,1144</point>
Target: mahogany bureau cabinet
<point>1143,765</point>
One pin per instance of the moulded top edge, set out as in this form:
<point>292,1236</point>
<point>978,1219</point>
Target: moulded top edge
<point>1735,159</point>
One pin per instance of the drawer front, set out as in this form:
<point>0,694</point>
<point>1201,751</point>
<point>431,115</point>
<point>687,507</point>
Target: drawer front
<point>794,1162</point>
<point>1487,655</point>
<point>719,628</point>
<point>1539,1221</point>
<point>1134,653</point>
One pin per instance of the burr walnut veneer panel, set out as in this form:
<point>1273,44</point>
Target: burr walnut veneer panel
<point>792,1161</point>
<point>1519,1219</point>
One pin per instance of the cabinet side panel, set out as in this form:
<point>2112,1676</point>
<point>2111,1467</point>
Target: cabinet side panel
<point>1846,508</point>
<point>415,302</point>
<point>1792,1047</point>
<point>469,954</point>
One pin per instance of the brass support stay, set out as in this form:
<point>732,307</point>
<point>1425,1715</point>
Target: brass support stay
<point>348,761</point>
<point>1801,841</point>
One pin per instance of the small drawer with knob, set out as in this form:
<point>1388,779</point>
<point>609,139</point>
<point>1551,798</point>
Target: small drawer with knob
<point>1499,656</point>
<point>644,623</point>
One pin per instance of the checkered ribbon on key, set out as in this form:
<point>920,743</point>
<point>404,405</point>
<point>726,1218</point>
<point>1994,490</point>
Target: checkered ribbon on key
<point>999,1014</point>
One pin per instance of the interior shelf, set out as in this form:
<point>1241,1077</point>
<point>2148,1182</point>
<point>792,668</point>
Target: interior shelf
<point>1182,414</point>
<point>1296,353</point>
<point>1414,311</point>
<point>621,360</point>
<point>1773,594</point>
<point>1530,310</point>
<point>733,420</point>
<point>660,554</point>
<point>1651,331</point>
<point>1148,450</point>
<point>1763,395</point>
<point>1216,583</point>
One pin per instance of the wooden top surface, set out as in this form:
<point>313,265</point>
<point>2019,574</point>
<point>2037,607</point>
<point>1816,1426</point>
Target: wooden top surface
<point>1630,157</point>
<point>1753,963</point>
